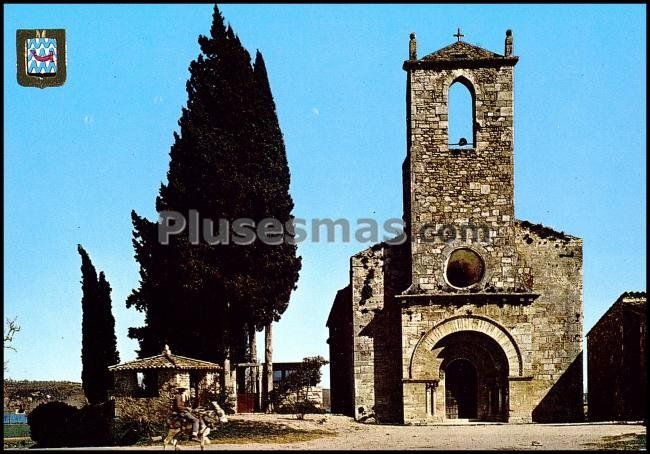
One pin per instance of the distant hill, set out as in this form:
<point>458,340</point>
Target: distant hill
<point>28,394</point>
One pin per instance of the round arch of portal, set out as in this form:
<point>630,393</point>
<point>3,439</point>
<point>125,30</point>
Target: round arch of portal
<point>423,357</point>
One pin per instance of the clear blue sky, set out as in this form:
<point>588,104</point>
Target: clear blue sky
<point>78,158</point>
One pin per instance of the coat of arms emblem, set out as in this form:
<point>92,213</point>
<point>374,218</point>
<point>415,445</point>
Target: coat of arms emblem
<point>41,57</point>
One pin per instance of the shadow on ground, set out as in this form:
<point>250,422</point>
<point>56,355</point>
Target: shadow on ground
<point>623,442</point>
<point>237,431</point>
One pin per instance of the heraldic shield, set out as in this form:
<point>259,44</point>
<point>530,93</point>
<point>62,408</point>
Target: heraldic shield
<point>41,57</point>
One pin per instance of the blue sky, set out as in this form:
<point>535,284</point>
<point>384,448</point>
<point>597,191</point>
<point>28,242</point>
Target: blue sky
<point>78,158</point>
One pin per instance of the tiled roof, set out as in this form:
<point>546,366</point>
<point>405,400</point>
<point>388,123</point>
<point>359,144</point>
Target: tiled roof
<point>166,362</point>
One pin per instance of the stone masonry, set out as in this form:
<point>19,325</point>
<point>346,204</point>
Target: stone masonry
<point>616,367</point>
<point>477,315</point>
<point>164,374</point>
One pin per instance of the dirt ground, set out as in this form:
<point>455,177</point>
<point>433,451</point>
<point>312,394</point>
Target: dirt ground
<point>340,432</point>
<point>349,434</point>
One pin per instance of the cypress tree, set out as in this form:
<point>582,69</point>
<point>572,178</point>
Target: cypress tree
<point>280,264</point>
<point>106,327</point>
<point>281,267</point>
<point>205,300</point>
<point>98,341</point>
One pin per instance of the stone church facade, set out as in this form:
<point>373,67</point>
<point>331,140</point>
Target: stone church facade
<point>477,315</point>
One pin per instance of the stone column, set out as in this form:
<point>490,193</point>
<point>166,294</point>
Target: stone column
<point>428,398</point>
<point>434,398</point>
<point>431,399</point>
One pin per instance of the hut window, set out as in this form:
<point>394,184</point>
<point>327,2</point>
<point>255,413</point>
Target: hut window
<point>147,384</point>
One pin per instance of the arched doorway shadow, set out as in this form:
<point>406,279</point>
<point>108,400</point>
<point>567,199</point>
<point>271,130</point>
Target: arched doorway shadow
<point>474,376</point>
<point>460,390</point>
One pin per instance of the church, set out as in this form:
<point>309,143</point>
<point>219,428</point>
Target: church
<point>478,315</point>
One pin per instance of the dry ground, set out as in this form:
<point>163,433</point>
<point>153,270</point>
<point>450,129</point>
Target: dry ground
<point>274,432</point>
<point>340,432</point>
<point>352,435</point>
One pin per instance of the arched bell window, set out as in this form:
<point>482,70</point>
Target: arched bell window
<point>461,103</point>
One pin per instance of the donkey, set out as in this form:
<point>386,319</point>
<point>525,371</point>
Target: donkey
<point>208,419</point>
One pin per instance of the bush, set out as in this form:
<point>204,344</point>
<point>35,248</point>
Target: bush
<point>54,425</point>
<point>300,408</point>
<point>95,425</point>
<point>57,424</point>
<point>130,431</point>
<point>292,392</point>
<point>226,400</point>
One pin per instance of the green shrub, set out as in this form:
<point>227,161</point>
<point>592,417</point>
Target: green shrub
<point>300,408</point>
<point>54,425</point>
<point>95,425</point>
<point>292,392</point>
<point>129,431</point>
<point>57,424</point>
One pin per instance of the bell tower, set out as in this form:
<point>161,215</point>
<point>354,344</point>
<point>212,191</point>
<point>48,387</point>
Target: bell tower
<point>458,192</point>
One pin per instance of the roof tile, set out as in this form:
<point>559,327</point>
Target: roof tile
<point>166,362</point>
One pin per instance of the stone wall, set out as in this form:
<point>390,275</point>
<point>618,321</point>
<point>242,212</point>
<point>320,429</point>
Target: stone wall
<point>542,339</point>
<point>551,264</point>
<point>156,408</point>
<point>424,325</point>
<point>125,383</point>
<point>128,404</point>
<point>377,274</point>
<point>468,187</point>
<point>616,366</point>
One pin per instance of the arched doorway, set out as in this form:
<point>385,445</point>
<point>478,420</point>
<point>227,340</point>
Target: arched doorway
<point>474,376</point>
<point>461,390</point>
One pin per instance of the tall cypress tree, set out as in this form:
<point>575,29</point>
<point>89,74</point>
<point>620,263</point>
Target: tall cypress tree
<point>280,264</point>
<point>98,341</point>
<point>106,327</point>
<point>200,299</point>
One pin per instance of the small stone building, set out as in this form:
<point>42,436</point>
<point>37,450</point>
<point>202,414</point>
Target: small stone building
<point>147,386</point>
<point>616,361</point>
<point>472,314</point>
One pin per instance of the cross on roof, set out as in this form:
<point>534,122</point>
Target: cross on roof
<point>459,35</point>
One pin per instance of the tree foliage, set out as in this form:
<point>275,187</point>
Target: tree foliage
<point>227,161</point>
<point>292,393</point>
<point>98,341</point>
